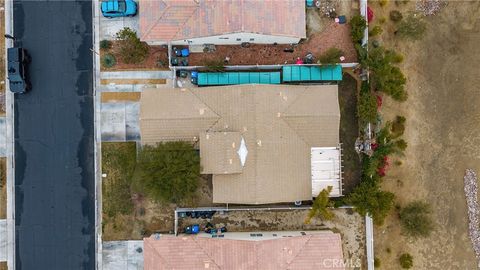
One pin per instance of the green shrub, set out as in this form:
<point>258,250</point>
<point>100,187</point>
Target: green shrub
<point>396,16</point>
<point>367,104</point>
<point>320,206</point>
<point>376,262</point>
<point>105,44</point>
<point>401,145</point>
<point>406,261</point>
<point>331,56</point>
<point>385,76</point>
<point>416,220</point>
<point>369,199</point>
<point>168,172</point>
<point>411,28</point>
<point>358,25</point>
<point>108,61</point>
<point>376,30</point>
<point>398,126</point>
<point>132,50</point>
<point>214,65</point>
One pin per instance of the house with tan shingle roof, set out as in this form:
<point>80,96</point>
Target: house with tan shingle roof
<point>198,22</point>
<point>262,143</point>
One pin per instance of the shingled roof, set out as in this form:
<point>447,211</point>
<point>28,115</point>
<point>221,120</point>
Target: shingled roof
<point>279,123</point>
<point>315,251</point>
<point>170,20</point>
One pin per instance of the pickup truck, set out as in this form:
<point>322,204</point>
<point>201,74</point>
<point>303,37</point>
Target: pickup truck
<point>18,60</point>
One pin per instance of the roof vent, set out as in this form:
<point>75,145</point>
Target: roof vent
<point>242,152</point>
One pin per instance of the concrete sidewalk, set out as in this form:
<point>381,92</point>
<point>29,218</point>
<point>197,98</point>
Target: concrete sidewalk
<point>3,240</point>
<point>139,75</point>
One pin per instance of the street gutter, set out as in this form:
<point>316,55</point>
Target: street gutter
<point>10,141</point>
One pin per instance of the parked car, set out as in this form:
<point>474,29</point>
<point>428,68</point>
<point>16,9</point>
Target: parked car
<point>119,8</point>
<point>18,60</point>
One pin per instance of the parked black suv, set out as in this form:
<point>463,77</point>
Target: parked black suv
<point>18,60</point>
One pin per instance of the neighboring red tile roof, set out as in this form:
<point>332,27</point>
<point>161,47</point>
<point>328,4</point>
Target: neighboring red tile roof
<point>168,20</point>
<point>316,251</point>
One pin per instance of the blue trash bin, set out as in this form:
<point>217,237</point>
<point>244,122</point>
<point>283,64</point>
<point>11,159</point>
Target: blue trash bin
<point>185,52</point>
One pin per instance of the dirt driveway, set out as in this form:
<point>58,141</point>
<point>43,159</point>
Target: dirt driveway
<point>443,119</point>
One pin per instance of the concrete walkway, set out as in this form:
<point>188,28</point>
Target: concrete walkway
<point>124,255</point>
<point>3,240</point>
<point>139,75</point>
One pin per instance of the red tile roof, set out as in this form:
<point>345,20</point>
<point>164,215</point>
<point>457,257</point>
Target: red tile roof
<point>316,251</point>
<point>168,20</point>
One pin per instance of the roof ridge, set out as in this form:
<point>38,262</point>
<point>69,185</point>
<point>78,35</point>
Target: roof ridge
<point>180,27</point>
<point>301,249</point>
<point>156,251</point>
<point>194,239</point>
<point>157,21</point>
<point>284,120</point>
<point>210,107</point>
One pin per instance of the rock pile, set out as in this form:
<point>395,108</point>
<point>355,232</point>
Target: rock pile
<point>470,182</point>
<point>430,7</point>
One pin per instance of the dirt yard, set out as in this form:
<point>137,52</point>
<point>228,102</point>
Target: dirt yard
<point>346,222</point>
<point>157,59</point>
<point>442,122</point>
<point>146,216</point>
<point>347,97</point>
<point>334,35</point>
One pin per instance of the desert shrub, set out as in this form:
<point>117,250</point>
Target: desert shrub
<point>401,145</point>
<point>382,20</point>
<point>367,104</point>
<point>105,44</point>
<point>383,3</point>
<point>376,30</point>
<point>396,16</point>
<point>358,25</point>
<point>411,28</point>
<point>169,171</point>
<point>108,61</point>
<point>331,56</point>
<point>398,126</point>
<point>132,49</point>
<point>388,250</point>
<point>386,77</point>
<point>320,206</point>
<point>214,65</point>
<point>406,261</point>
<point>376,262</point>
<point>416,220</point>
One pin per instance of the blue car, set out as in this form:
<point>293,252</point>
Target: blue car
<point>119,8</point>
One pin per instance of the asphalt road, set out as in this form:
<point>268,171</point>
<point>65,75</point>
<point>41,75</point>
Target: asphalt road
<point>54,138</point>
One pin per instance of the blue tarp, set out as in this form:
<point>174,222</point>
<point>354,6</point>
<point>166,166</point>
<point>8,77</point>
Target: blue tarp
<point>300,73</point>
<point>230,78</point>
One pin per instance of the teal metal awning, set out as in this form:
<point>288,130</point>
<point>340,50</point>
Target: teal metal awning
<point>230,78</point>
<point>301,73</point>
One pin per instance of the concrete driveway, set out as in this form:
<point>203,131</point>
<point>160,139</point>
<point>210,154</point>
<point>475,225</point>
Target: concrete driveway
<point>109,27</point>
<point>123,255</point>
<point>120,121</point>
